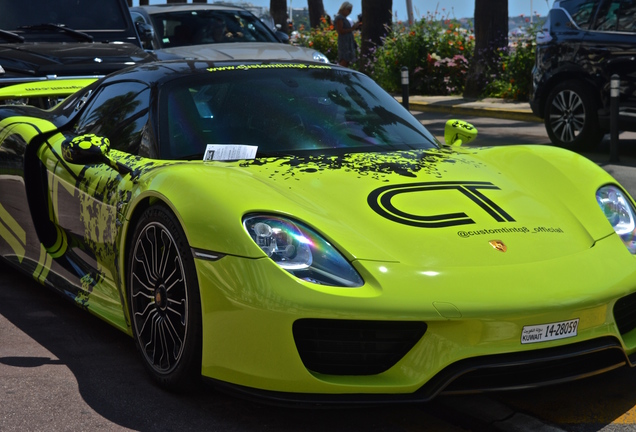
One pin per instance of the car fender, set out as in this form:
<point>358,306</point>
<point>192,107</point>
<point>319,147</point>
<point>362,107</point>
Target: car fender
<point>565,72</point>
<point>195,204</point>
<point>572,178</point>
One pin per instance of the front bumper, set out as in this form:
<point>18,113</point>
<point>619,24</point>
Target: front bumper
<point>474,318</point>
<point>480,374</point>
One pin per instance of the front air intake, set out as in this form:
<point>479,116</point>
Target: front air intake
<point>625,313</point>
<point>352,347</point>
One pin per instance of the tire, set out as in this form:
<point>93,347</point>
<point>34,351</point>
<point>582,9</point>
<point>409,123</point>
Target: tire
<point>164,301</point>
<point>571,117</point>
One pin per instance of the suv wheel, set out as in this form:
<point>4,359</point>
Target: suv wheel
<point>571,117</point>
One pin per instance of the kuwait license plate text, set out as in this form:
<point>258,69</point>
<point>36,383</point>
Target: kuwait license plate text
<point>548,332</point>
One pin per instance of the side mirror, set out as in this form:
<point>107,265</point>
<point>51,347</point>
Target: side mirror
<point>91,150</point>
<point>86,150</point>
<point>457,132</point>
<point>146,34</point>
<point>282,36</point>
<point>145,31</point>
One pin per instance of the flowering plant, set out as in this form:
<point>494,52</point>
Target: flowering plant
<point>436,52</point>
<point>323,39</point>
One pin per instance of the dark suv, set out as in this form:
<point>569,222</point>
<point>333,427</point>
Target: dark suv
<point>584,43</point>
<point>48,40</point>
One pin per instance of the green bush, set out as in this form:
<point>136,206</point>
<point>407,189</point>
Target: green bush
<point>437,52</point>
<point>512,75</point>
<point>323,39</point>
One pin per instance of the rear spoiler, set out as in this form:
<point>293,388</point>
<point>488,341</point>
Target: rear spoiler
<point>60,87</point>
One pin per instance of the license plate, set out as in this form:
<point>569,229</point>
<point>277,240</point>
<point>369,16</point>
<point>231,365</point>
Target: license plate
<point>548,332</point>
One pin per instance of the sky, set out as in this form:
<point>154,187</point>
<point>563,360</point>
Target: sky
<point>421,8</point>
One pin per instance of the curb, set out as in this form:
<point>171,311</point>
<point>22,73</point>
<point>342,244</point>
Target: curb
<point>486,108</point>
<point>476,111</point>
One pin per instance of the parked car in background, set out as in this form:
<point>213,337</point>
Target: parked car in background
<point>584,43</point>
<point>208,32</point>
<point>52,40</point>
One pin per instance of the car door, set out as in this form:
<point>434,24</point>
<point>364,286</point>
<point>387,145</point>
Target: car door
<point>19,240</point>
<point>86,199</point>
<point>610,48</point>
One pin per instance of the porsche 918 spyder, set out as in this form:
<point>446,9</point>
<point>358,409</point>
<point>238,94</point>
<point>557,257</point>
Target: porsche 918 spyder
<point>289,231</point>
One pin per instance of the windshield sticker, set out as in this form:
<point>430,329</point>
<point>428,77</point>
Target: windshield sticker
<point>268,66</point>
<point>72,88</point>
<point>215,152</point>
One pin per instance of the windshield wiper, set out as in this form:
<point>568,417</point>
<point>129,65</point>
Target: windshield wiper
<point>10,36</point>
<point>60,27</point>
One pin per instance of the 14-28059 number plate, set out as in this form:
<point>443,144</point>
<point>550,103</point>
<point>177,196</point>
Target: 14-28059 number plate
<point>550,331</point>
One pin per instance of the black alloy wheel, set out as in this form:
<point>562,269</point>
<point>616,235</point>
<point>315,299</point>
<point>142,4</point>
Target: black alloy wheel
<point>164,302</point>
<point>571,117</point>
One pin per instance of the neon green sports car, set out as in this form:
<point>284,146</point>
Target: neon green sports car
<point>289,231</point>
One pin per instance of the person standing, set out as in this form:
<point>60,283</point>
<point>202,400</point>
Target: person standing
<point>346,43</point>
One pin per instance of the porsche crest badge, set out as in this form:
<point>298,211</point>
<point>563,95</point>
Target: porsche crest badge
<point>499,245</point>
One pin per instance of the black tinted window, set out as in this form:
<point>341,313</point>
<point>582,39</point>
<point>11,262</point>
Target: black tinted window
<point>581,11</point>
<point>119,112</point>
<point>619,16</point>
<point>209,26</point>
<point>76,14</point>
<point>285,111</point>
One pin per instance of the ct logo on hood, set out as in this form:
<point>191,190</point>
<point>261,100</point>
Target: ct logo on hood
<point>381,201</point>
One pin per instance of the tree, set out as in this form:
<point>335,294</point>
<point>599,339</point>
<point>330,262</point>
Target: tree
<point>316,11</point>
<point>376,22</point>
<point>278,10</point>
<point>491,34</point>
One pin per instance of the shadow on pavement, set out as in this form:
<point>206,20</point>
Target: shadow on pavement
<point>111,380</point>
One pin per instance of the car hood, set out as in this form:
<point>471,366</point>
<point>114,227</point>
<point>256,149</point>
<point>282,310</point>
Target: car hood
<point>242,51</point>
<point>467,207</point>
<point>67,59</point>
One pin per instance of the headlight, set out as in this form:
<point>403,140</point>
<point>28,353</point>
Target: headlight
<point>318,56</point>
<point>620,213</point>
<point>301,251</point>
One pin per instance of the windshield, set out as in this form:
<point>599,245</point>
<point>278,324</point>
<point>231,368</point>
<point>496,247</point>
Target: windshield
<point>196,27</point>
<point>83,15</point>
<point>285,109</point>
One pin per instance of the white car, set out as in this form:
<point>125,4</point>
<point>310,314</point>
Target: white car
<point>209,32</point>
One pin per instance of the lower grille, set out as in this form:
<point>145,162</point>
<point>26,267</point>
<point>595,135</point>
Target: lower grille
<point>533,368</point>
<point>352,347</point>
<point>525,369</point>
<point>625,313</point>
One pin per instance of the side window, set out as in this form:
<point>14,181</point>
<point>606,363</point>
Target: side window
<point>617,16</point>
<point>175,33</point>
<point>118,112</point>
<point>581,11</point>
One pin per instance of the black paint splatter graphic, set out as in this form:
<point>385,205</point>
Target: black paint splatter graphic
<point>375,165</point>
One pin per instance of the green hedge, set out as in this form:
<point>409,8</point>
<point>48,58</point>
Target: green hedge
<point>437,52</point>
